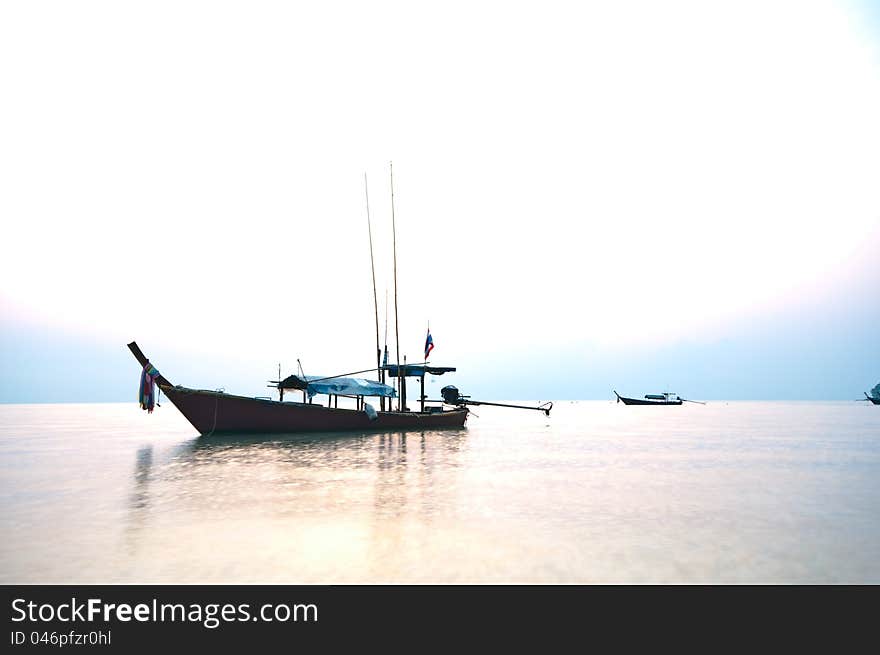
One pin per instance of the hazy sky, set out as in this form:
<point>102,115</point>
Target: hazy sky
<point>589,196</point>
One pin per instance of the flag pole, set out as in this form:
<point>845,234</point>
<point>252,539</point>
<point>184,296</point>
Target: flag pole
<point>423,396</point>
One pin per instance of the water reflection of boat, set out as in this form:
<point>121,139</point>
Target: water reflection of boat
<point>306,447</point>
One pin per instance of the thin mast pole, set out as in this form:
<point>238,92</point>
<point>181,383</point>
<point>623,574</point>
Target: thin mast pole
<point>385,355</point>
<point>375,300</point>
<point>396,328</point>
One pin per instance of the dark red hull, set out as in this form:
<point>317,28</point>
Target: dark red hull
<point>213,412</point>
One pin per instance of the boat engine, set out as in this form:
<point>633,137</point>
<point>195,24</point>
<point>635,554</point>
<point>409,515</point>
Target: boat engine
<point>451,396</point>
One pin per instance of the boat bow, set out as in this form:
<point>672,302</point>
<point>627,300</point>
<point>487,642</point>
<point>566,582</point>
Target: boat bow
<point>143,361</point>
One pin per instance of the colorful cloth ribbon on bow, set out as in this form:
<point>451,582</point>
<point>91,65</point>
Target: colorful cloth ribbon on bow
<point>146,393</point>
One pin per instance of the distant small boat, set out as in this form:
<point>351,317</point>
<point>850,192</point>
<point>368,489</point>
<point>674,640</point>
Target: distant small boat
<point>665,398</point>
<point>874,396</point>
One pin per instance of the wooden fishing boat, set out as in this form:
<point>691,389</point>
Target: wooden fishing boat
<point>216,412</point>
<point>665,398</point>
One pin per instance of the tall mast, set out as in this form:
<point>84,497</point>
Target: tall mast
<point>394,234</point>
<point>385,352</point>
<point>375,300</point>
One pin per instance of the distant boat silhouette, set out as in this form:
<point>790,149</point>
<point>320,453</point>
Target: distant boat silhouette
<point>665,398</point>
<point>875,395</point>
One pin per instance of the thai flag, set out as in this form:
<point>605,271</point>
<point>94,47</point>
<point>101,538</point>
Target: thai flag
<point>429,345</point>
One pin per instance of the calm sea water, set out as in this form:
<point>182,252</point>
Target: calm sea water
<point>764,492</point>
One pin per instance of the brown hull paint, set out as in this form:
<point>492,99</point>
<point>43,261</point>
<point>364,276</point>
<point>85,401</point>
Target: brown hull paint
<point>212,412</point>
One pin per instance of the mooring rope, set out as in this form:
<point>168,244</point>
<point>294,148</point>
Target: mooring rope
<point>216,405</point>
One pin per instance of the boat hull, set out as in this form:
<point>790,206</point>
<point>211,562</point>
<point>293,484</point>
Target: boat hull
<point>214,412</point>
<point>639,401</point>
